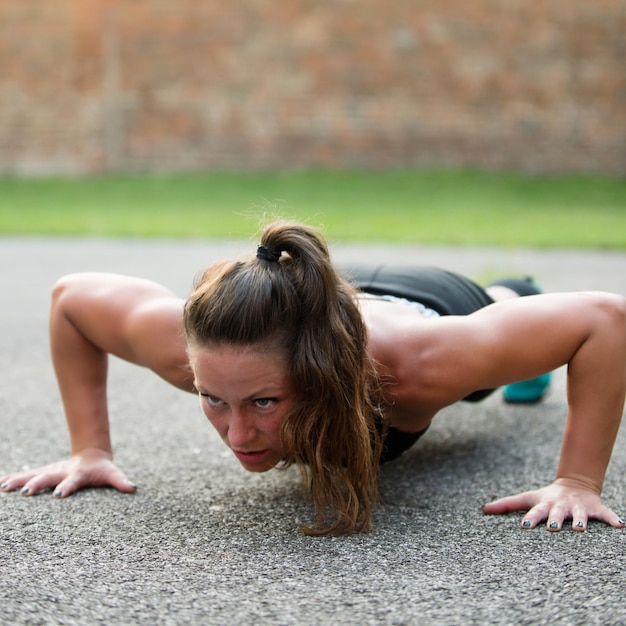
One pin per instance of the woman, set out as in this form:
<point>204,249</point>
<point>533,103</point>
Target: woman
<point>293,364</point>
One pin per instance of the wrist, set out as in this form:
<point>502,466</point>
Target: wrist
<point>93,452</point>
<point>93,440</point>
<point>578,481</point>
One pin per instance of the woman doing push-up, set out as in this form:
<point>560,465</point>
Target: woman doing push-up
<point>297,363</point>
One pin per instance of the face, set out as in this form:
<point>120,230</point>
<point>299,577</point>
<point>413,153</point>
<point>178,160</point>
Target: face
<point>245,392</point>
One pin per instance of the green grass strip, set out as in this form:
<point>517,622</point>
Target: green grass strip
<point>427,207</point>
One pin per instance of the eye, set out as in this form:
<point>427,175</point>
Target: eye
<point>212,400</point>
<point>264,403</point>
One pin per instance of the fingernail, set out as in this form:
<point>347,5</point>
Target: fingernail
<point>526,523</point>
<point>58,494</point>
<point>554,524</point>
<point>621,521</point>
<point>4,486</point>
<point>24,491</point>
<point>579,525</point>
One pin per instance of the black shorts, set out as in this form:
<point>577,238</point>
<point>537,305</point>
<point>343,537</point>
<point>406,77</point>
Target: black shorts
<point>445,292</point>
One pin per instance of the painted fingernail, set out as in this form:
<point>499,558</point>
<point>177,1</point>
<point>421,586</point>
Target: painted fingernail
<point>579,524</point>
<point>554,524</point>
<point>25,491</point>
<point>4,486</point>
<point>526,523</point>
<point>58,494</point>
<point>621,522</point>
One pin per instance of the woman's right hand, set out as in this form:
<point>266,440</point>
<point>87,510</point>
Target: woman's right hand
<point>91,467</point>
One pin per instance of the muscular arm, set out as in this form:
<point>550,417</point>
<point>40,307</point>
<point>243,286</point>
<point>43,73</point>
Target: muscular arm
<point>444,360</point>
<point>588,333</point>
<point>92,316</point>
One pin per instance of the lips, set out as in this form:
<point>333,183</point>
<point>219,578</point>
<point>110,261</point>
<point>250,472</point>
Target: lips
<point>258,456</point>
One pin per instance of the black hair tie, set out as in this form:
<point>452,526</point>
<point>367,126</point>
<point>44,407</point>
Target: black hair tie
<point>268,254</point>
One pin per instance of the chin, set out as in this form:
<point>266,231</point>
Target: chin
<point>256,468</point>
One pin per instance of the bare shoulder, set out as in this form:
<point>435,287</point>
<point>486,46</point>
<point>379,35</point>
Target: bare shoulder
<point>426,364</point>
<point>431,363</point>
<point>136,319</point>
<point>401,343</point>
<point>154,330</point>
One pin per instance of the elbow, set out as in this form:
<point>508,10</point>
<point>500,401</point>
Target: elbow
<point>611,312</point>
<point>615,306</point>
<point>65,288</point>
<point>62,286</point>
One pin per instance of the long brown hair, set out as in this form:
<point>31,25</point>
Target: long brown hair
<point>291,296</point>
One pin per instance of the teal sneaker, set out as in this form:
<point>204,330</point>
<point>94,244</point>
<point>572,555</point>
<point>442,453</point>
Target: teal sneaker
<point>528,391</point>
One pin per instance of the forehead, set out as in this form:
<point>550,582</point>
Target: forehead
<point>239,367</point>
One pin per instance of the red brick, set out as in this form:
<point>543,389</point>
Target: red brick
<point>99,85</point>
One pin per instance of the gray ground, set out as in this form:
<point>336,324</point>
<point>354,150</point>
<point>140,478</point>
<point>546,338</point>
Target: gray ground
<point>204,542</point>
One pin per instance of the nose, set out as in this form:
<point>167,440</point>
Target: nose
<point>241,431</point>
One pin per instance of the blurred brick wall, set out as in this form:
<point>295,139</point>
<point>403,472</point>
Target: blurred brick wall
<point>99,85</point>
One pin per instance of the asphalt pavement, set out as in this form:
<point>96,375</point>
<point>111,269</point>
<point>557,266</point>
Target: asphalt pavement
<point>204,542</point>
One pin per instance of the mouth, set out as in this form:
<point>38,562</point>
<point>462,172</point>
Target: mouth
<point>257,456</point>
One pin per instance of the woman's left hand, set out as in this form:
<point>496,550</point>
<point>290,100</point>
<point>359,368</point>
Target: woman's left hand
<point>564,499</point>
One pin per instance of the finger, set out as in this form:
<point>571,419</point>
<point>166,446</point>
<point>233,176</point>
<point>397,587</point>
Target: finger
<point>66,487</point>
<point>112,478</point>
<point>604,514</point>
<point>510,504</point>
<point>126,486</point>
<point>115,478</point>
<point>536,515</point>
<point>553,526</point>
<point>11,482</point>
<point>40,482</point>
<point>558,514</point>
<point>579,519</point>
